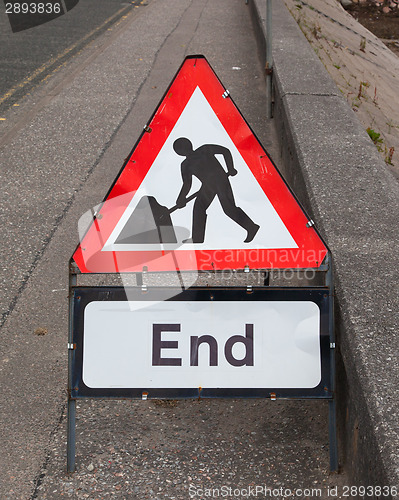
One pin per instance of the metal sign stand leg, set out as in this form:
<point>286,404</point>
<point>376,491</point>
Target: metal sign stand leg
<point>332,420</point>
<point>269,60</point>
<point>71,439</point>
<point>71,435</point>
<point>332,430</point>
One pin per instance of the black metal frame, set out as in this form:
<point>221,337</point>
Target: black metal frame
<point>323,296</point>
<point>83,296</point>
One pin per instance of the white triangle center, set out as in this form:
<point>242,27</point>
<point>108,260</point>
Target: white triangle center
<point>199,123</point>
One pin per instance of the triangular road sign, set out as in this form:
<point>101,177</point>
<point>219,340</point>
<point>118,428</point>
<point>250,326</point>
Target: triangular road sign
<point>198,192</point>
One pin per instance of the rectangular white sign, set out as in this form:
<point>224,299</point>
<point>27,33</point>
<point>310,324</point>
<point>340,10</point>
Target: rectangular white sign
<point>207,344</point>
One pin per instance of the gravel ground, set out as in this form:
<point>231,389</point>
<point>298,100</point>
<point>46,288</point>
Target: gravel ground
<point>175,449</point>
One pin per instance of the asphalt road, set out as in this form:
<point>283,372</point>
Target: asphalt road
<point>28,57</point>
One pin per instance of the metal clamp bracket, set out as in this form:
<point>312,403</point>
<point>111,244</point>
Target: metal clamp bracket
<point>268,69</point>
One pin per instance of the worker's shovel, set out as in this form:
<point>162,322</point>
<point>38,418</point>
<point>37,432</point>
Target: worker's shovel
<point>149,223</point>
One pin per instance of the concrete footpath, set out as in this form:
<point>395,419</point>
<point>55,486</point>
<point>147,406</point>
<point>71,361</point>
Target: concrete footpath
<point>60,152</point>
<point>353,196</point>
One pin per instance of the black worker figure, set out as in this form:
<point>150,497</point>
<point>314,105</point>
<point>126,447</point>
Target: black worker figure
<point>203,164</point>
